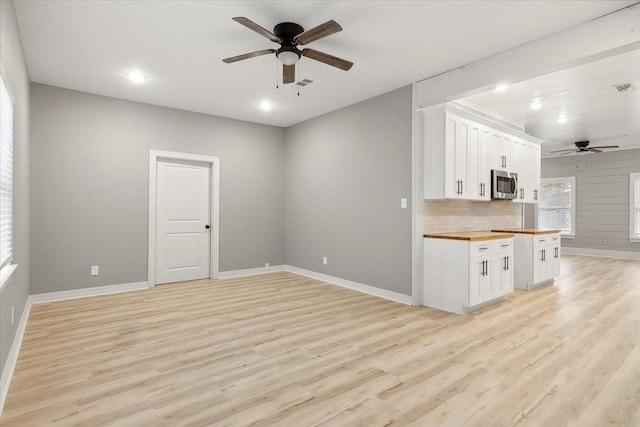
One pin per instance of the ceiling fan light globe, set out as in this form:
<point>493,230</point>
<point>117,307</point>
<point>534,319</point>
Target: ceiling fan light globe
<point>288,57</point>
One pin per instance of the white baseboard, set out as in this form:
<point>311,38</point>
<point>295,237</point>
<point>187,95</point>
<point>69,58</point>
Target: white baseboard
<point>12,357</point>
<point>600,253</point>
<point>87,292</point>
<point>371,290</point>
<point>250,271</point>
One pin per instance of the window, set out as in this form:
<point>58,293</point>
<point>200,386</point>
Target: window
<point>634,204</point>
<point>6,180</point>
<point>557,205</point>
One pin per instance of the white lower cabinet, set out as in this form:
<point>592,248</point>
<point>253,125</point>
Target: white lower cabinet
<point>461,276</point>
<point>537,259</point>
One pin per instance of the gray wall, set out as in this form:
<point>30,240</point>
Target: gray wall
<point>90,186</point>
<point>346,173</point>
<point>602,197</point>
<point>16,292</point>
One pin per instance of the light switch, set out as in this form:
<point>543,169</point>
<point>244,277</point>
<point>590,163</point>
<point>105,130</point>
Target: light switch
<point>94,270</point>
<point>403,203</point>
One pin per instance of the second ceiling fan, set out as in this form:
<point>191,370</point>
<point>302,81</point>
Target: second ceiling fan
<point>582,147</point>
<point>290,35</point>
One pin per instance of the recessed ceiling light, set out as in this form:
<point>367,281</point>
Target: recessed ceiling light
<point>562,118</point>
<point>137,77</point>
<point>266,105</point>
<point>502,87</point>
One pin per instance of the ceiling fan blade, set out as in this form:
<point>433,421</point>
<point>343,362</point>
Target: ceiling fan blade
<point>607,146</point>
<point>572,151</point>
<point>317,33</point>
<point>560,151</point>
<point>288,73</point>
<point>595,150</point>
<point>327,59</point>
<point>248,55</point>
<point>257,28</point>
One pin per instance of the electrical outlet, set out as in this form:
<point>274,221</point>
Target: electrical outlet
<point>267,265</point>
<point>94,270</point>
<point>324,260</point>
<point>403,203</point>
<point>12,315</point>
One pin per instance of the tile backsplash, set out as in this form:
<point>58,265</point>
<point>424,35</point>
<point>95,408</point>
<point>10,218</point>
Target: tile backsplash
<point>444,216</point>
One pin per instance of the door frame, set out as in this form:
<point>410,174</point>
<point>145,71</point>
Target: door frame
<point>214,162</point>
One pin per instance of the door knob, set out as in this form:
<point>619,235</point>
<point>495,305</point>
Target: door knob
<point>207,226</point>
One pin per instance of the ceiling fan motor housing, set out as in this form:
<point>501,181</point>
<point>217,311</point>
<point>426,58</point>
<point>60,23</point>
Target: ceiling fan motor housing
<point>582,144</point>
<point>286,31</point>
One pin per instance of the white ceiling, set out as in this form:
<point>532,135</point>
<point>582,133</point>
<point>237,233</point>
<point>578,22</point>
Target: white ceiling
<point>595,111</point>
<point>91,45</point>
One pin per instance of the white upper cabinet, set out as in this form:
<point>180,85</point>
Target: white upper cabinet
<point>461,148</point>
<point>501,151</point>
<point>526,163</point>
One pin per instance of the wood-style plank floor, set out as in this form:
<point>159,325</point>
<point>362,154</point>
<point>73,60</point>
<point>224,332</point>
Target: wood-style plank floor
<point>281,349</point>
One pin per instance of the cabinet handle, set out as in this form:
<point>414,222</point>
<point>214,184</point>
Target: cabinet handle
<point>542,255</point>
<point>504,245</point>
<point>483,249</point>
<point>508,267</point>
<point>458,187</point>
<point>555,255</point>
<point>504,264</point>
<point>522,193</point>
<point>535,194</point>
<point>461,187</point>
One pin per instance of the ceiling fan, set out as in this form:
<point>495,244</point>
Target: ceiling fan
<point>290,35</point>
<point>582,147</point>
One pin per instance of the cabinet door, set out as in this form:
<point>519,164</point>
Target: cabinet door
<point>520,166</point>
<point>500,150</point>
<point>539,265</point>
<point>478,171</point>
<point>555,260</point>
<point>480,283</point>
<point>503,274</point>
<point>479,156</point>
<point>456,146</point>
<point>535,172</point>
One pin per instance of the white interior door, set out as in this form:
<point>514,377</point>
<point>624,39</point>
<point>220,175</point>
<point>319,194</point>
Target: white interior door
<point>183,221</point>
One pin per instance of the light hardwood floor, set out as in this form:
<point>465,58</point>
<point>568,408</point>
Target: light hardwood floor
<point>281,349</point>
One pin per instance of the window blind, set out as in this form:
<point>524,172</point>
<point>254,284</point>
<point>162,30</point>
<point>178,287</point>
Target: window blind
<point>635,224</point>
<point>6,175</point>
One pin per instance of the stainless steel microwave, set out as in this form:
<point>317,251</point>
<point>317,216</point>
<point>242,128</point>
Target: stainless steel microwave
<point>504,185</point>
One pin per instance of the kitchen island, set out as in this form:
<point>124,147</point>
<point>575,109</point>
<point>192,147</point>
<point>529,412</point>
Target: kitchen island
<point>536,256</point>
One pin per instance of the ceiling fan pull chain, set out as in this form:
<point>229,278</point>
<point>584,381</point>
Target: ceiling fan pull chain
<point>277,76</point>
<point>298,79</point>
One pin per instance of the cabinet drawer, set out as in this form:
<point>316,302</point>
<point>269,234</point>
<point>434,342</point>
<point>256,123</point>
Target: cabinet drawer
<point>502,246</point>
<point>480,248</point>
<point>542,240</point>
<point>555,238</point>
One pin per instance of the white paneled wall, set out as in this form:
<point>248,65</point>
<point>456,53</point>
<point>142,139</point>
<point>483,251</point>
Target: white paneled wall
<point>442,216</point>
<point>602,198</point>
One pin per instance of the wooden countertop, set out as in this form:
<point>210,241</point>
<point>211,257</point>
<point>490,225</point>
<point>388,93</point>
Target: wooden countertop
<point>471,236</point>
<point>527,231</point>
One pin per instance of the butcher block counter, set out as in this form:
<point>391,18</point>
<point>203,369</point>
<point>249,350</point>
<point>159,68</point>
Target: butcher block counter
<point>471,236</point>
<point>525,231</point>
